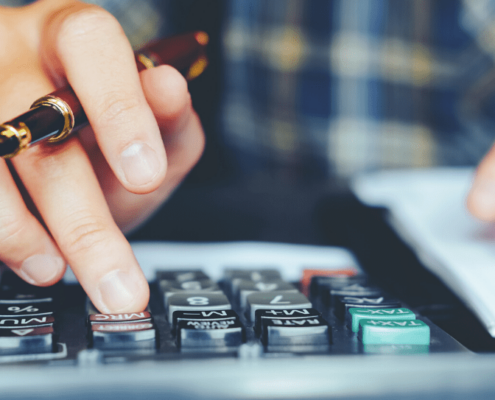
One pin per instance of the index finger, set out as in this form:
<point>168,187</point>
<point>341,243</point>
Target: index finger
<point>86,44</point>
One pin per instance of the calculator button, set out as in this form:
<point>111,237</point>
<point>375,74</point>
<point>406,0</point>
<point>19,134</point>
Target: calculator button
<point>234,277</point>
<point>245,288</point>
<point>278,300</point>
<point>30,309</point>
<point>309,274</point>
<point>301,313</point>
<point>126,336</point>
<point>354,290</point>
<point>196,285</point>
<point>255,275</point>
<point>196,301</point>
<point>321,285</point>
<point>170,288</point>
<point>116,318</point>
<point>181,275</point>
<point>394,332</point>
<point>209,315</point>
<point>27,340</point>
<point>296,332</point>
<point>343,304</point>
<point>388,314</point>
<point>204,335</point>
<point>13,288</point>
<point>26,321</point>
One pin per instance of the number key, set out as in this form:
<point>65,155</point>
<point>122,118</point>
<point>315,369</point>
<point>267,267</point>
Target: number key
<point>197,301</point>
<point>276,300</point>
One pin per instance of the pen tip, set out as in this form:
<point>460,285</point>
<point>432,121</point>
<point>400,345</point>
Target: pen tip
<point>202,38</point>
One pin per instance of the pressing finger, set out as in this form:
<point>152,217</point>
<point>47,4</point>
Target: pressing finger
<point>66,192</point>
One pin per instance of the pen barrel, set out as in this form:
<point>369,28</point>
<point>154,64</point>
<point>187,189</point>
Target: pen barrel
<point>55,116</point>
<point>42,123</point>
<point>67,95</point>
<point>186,53</point>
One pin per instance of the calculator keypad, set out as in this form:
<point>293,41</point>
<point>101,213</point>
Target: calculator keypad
<point>190,313</point>
<point>27,317</point>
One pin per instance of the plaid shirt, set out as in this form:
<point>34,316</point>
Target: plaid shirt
<point>336,87</point>
<point>333,87</point>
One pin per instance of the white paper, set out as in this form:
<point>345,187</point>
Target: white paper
<point>427,208</point>
<point>213,258</point>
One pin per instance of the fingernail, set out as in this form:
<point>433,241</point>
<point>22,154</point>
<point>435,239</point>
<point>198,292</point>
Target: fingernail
<point>483,196</point>
<point>140,164</point>
<point>118,291</point>
<point>42,268</point>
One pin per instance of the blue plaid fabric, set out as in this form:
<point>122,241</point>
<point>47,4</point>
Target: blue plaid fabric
<point>141,19</point>
<point>333,87</point>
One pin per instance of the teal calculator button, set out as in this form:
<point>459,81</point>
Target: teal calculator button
<point>394,332</point>
<point>386,314</point>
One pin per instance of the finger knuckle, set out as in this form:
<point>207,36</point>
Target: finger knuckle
<point>85,23</point>
<point>117,109</point>
<point>84,232</point>
<point>12,230</point>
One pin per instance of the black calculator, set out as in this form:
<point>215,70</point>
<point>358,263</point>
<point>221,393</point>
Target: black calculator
<point>227,331</point>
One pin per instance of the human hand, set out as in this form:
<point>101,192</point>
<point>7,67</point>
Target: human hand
<point>481,198</point>
<point>144,138</point>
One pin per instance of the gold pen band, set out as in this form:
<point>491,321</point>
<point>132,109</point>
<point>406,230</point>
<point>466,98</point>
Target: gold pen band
<point>147,62</point>
<point>63,108</point>
<point>21,132</point>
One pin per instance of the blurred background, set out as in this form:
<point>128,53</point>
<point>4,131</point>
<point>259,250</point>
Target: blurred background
<point>301,95</point>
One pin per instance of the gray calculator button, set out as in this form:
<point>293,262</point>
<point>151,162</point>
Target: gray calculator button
<point>255,275</point>
<point>233,277</point>
<point>26,321</point>
<point>30,309</point>
<point>354,290</point>
<point>277,300</point>
<point>126,336</point>
<point>297,313</point>
<point>196,301</point>
<point>26,340</point>
<point>203,284</point>
<point>181,275</point>
<point>209,315</point>
<point>245,288</point>
<point>208,335</point>
<point>296,332</point>
<point>323,284</point>
<point>170,288</point>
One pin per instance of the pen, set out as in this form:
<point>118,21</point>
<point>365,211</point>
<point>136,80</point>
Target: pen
<point>53,117</point>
